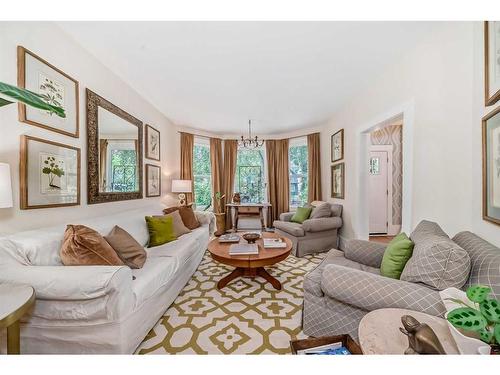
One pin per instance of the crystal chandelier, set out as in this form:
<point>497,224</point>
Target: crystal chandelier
<point>250,142</point>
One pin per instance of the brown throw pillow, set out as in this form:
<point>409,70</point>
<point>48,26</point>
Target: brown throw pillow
<point>83,246</point>
<point>179,227</point>
<point>126,247</point>
<point>188,217</point>
<point>169,210</point>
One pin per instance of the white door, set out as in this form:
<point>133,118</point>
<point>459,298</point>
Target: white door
<point>378,191</point>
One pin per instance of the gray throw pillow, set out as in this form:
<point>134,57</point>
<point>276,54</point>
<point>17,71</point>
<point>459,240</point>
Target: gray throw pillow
<point>437,261</point>
<point>322,210</point>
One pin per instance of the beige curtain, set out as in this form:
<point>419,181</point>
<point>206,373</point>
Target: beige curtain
<point>230,155</point>
<point>278,172</point>
<point>216,164</point>
<point>103,162</point>
<point>313,168</point>
<point>187,146</point>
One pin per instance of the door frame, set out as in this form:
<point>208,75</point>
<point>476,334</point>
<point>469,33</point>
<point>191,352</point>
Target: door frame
<point>388,149</point>
<point>405,112</point>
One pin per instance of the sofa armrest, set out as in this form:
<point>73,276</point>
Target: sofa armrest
<point>370,292</point>
<point>206,217</point>
<point>69,282</point>
<point>322,224</point>
<point>365,252</point>
<point>286,216</point>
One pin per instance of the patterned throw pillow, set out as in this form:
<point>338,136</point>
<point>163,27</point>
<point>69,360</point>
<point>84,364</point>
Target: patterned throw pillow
<point>437,261</point>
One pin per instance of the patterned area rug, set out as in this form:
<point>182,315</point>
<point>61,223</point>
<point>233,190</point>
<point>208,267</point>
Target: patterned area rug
<point>248,316</point>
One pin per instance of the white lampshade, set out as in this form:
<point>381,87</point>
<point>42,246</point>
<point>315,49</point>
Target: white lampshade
<point>181,186</point>
<point>5,186</point>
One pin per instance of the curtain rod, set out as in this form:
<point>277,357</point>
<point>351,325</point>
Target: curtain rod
<point>237,139</point>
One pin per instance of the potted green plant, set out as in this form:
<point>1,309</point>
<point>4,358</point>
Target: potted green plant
<point>220,214</point>
<point>480,315</point>
<point>10,94</point>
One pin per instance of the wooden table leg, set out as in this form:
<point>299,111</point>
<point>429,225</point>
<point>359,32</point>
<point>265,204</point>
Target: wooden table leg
<point>227,279</point>
<point>13,338</point>
<point>274,281</point>
<point>261,214</point>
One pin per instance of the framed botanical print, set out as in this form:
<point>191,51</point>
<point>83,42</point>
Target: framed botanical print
<point>337,146</point>
<point>49,174</point>
<point>56,88</point>
<point>492,61</point>
<point>153,180</point>
<point>338,181</point>
<point>152,143</point>
<point>491,167</point>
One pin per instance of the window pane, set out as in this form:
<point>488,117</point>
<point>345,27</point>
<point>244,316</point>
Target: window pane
<point>123,171</point>
<point>249,179</point>
<point>202,176</point>
<point>298,174</point>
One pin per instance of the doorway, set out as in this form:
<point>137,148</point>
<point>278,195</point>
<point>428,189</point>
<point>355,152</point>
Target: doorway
<point>380,182</point>
<point>385,178</point>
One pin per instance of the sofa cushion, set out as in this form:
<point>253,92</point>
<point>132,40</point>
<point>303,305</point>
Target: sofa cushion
<point>437,261</point>
<point>322,210</point>
<point>425,229</point>
<point>128,249</point>
<point>155,273</point>
<point>396,255</point>
<point>161,230</point>
<point>83,246</point>
<point>485,261</point>
<point>301,214</point>
<point>322,224</point>
<point>294,229</point>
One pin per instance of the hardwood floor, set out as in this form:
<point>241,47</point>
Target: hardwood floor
<point>381,239</point>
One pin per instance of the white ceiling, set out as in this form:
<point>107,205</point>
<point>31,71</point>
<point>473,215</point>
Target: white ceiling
<point>215,75</point>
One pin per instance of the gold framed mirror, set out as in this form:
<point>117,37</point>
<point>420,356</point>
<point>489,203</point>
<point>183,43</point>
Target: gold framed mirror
<point>114,152</point>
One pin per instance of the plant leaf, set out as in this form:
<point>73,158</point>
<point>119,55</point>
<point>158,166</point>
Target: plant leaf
<point>486,335</point>
<point>4,102</point>
<point>496,332</point>
<point>30,98</point>
<point>478,293</point>
<point>490,308</point>
<point>467,318</point>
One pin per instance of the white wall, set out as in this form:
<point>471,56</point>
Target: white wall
<point>49,42</point>
<point>440,82</point>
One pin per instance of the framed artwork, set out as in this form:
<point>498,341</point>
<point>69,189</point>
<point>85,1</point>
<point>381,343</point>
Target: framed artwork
<point>152,143</point>
<point>153,180</point>
<point>337,146</point>
<point>49,174</point>
<point>338,181</point>
<point>492,61</point>
<point>56,87</point>
<point>491,167</point>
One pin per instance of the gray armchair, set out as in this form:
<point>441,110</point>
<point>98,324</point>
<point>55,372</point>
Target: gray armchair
<point>313,235</point>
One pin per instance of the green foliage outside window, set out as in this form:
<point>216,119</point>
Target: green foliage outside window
<point>249,180</point>
<point>123,170</point>
<point>298,175</point>
<point>202,176</point>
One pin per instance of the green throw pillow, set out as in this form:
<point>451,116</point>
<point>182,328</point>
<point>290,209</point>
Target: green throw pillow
<point>301,214</point>
<point>161,230</point>
<point>397,253</point>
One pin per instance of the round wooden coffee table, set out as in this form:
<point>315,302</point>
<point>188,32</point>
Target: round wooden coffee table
<point>250,265</point>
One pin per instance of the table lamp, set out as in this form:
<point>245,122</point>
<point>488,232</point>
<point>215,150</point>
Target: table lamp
<point>182,187</point>
<point>5,186</point>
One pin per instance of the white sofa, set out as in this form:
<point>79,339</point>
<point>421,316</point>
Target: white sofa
<point>98,309</point>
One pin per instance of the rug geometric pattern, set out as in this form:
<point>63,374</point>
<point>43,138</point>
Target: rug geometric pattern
<point>248,316</point>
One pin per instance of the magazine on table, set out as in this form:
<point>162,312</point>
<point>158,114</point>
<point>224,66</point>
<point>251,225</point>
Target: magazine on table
<point>229,237</point>
<point>243,249</point>
<point>274,243</point>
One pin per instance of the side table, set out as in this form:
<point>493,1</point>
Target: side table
<point>379,331</point>
<point>16,301</point>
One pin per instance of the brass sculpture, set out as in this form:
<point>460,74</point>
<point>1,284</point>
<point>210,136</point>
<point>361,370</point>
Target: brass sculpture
<point>421,337</point>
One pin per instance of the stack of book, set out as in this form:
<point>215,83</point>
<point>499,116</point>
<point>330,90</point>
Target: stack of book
<point>243,249</point>
<point>329,349</point>
<point>230,237</point>
<point>274,243</point>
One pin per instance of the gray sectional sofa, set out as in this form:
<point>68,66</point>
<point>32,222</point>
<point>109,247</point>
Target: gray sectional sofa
<point>347,285</point>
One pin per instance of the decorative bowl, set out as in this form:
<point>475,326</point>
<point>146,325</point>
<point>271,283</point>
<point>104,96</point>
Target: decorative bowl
<point>251,237</point>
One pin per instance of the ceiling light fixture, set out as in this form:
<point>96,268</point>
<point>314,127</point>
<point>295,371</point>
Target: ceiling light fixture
<point>250,142</point>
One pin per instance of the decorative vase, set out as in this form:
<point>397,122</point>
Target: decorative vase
<point>220,220</point>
